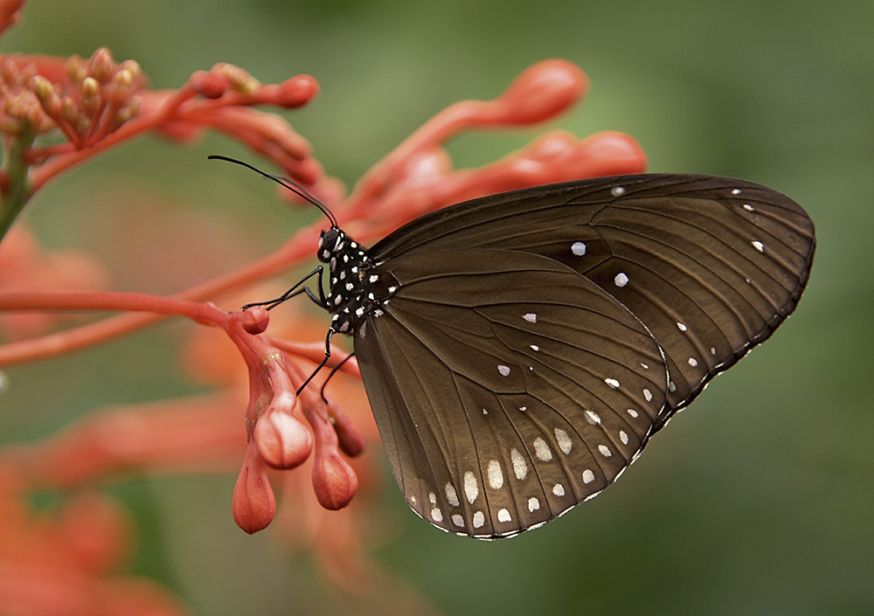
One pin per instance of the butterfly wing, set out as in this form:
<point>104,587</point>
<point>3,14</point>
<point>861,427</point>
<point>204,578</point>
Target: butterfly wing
<point>507,387</point>
<point>711,266</point>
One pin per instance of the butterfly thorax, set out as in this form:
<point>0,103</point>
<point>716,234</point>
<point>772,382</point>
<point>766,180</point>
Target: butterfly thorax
<point>357,289</point>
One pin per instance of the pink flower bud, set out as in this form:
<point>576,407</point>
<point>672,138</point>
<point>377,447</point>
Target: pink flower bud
<point>101,65</point>
<point>543,91</point>
<point>255,320</point>
<point>334,481</point>
<point>254,503</point>
<point>297,91</point>
<point>350,439</point>
<point>209,84</point>
<point>282,441</point>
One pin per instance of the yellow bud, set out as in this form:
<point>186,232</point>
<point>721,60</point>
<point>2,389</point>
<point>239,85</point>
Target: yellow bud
<point>42,87</point>
<point>101,64</point>
<point>132,67</point>
<point>75,69</point>
<point>122,78</point>
<point>90,87</point>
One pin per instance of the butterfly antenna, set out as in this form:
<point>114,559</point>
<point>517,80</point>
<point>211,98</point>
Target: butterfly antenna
<point>291,185</point>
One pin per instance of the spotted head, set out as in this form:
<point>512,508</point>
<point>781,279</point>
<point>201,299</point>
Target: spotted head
<point>329,241</point>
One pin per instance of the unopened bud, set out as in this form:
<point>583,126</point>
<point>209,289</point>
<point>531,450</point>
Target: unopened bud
<point>255,320</point>
<point>543,91</point>
<point>297,91</point>
<point>76,70</point>
<point>334,481</point>
<point>254,503</point>
<point>282,440</point>
<point>212,84</point>
<point>348,436</point>
<point>101,65</point>
<point>239,79</point>
<point>133,68</point>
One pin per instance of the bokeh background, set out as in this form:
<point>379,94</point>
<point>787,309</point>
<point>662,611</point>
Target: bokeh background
<point>758,500</point>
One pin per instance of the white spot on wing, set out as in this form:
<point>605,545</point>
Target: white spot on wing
<point>563,440</point>
<point>748,207</point>
<point>759,246</point>
<point>436,514</point>
<point>504,515</point>
<point>558,489</point>
<point>542,450</point>
<point>478,519</point>
<point>647,394</point>
<point>457,519</point>
<point>520,469</point>
<point>621,279</point>
<point>504,370</point>
<point>452,495</point>
<point>605,451</point>
<point>693,362</point>
<point>735,191</point>
<point>531,317</point>
<point>632,412</point>
<point>496,476</point>
<point>612,383</point>
<point>623,436</point>
<point>471,489</point>
<point>617,191</point>
<point>534,347</point>
<point>593,418</point>
<point>588,476</point>
<point>578,248</point>
<point>681,327</point>
<point>533,504</point>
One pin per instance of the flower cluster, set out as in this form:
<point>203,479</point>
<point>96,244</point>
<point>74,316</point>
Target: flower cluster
<point>95,104</point>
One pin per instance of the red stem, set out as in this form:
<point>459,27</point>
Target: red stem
<point>110,300</point>
<point>299,247</point>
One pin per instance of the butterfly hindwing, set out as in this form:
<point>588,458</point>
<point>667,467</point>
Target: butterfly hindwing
<point>505,399</point>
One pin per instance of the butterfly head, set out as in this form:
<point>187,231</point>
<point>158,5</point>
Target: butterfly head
<point>330,243</point>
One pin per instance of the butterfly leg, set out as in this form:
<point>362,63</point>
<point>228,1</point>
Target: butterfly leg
<point>321,363</point>
<point>320,301</point>
<point>333,372</point>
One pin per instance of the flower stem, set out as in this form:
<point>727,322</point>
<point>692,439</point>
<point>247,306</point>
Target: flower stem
<point>19,183</point>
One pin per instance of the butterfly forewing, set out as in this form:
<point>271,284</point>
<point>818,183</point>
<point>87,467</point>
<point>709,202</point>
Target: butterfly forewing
<point>506,386</point>
<point>711,266</point>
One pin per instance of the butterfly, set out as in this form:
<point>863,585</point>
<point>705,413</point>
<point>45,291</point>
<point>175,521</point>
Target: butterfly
<point>519,350</point>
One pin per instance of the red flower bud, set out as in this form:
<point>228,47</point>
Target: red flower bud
<point>282,440</point>
<point>334,481</point>
<point>297,91</point>
<point>254,503</point>
<point>209,84</point>
<point>255,320</point>
<point>543,91</point>
<point>350,439</point>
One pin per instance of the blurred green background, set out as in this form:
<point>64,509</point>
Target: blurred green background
<point>758,500</point>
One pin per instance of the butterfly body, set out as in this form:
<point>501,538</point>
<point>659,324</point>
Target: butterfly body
<point>355,288</point>
<point>519,350</point>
